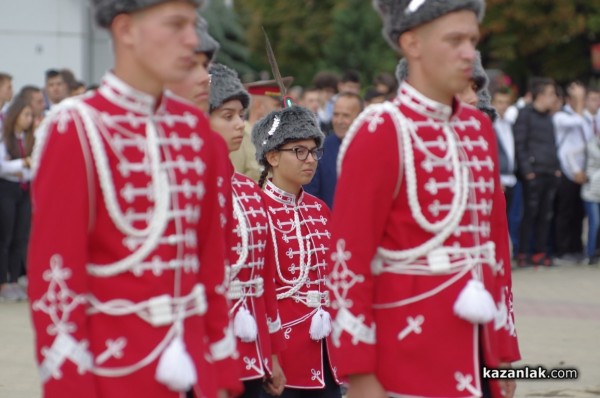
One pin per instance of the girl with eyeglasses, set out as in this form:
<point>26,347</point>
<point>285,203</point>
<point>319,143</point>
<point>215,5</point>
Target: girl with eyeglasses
<point>289,144</point>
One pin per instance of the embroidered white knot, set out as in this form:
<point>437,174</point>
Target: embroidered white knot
<point>475,304</point>
<point>244,325</point>
<point>175,367</point>
<point>320,325</point>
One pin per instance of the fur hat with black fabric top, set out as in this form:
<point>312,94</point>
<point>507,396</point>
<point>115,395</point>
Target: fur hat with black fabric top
<point>225,85</point>
<point>106,10</point>
<point>285,125</point>
<point>207,44</point>
<point>481,79</point>
<point>399,16</point>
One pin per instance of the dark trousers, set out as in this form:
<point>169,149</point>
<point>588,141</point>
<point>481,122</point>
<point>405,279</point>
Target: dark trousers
<point>15,220</point>
<point>538,202</point>
<point>331,390</point>
<point>509,193</point>
<point>569,218</point>
<point>252,388</point>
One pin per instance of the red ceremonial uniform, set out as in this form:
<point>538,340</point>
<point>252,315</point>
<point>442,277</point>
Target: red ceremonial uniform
<point>252,280</point>
<point>127,252</point>
<point>300,230</point>
<point>427,221</point>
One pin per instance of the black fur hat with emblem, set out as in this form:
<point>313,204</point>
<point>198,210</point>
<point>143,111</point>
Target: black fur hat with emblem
<point>225,85</point>
<point>399,16</point>
<point>106,10</point>
<point>294,123</point>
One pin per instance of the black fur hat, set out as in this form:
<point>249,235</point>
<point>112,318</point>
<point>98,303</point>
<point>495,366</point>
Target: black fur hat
<point>208,44</point>
<point>398,16</point>
<point>225,85</point>
<point>106,10</point>
<point>278,127</point>
<point>481,79</point>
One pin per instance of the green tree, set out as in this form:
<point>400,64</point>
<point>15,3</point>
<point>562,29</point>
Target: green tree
<point>541,38</point>
<point>297,31</point>
<point>224,25</point>
<point>315,35</point>
<point>356,41</point>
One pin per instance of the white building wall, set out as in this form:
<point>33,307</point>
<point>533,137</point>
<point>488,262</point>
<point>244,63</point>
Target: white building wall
<point>36,35</point>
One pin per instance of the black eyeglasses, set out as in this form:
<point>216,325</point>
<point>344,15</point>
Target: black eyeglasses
<point>302,152</point>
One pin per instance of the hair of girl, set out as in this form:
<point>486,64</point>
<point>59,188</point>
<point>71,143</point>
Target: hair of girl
<point>8,129</point>
<point>263,175</point>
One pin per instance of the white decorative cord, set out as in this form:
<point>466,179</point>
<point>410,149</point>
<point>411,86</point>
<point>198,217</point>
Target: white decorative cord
<point>458,206</point>
<point>160,184</point>
<point>151,357</point>
<point>304,267</point>
<point>459,200</point>
<point>244,235</point>
<point>41,134</point>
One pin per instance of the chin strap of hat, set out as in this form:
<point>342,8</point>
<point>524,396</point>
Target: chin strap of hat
<point>285,99</point>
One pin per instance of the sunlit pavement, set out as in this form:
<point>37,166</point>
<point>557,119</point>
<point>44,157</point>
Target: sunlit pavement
<point>557,316</point>
<point>558,321</point>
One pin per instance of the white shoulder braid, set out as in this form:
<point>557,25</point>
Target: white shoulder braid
<point>373,117</point>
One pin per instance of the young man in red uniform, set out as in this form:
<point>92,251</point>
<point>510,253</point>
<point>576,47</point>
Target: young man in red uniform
<point>127,252</point>
<point>421,271</point>
<point>196,85</point>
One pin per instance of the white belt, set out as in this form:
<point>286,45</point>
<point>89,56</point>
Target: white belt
<point>157,311</point>
<point>312,298</point>
<point>240,289</point>
<point>442,260</point>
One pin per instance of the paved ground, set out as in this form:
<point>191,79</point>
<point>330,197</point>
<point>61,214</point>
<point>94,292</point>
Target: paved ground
<point>558,320</point>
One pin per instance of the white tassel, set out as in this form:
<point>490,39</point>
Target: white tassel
<point>244,325</point>
<point>475,304</point>
<point>175,367</point>
<point>320,325</point>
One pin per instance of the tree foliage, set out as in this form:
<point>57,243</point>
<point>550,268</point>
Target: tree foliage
<point>541,38</point>
<point>297,31</point>
<point>224,25</point>
<point>356,41</point>
<point>524,38</point>
<point>315,35</point>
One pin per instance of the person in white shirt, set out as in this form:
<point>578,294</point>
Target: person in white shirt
<point>501,100</point>
<point>590,191</point>
<point>592,107</point>
<point>572,134</point>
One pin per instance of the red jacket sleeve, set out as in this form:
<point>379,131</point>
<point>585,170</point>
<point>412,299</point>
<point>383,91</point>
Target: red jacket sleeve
<point>363,199</point>
<point>56,261</point>
<point>217,207</point>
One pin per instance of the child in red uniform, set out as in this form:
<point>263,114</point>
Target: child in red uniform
<point>289,144</point>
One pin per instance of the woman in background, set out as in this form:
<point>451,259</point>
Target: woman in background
<point>15,206</point>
